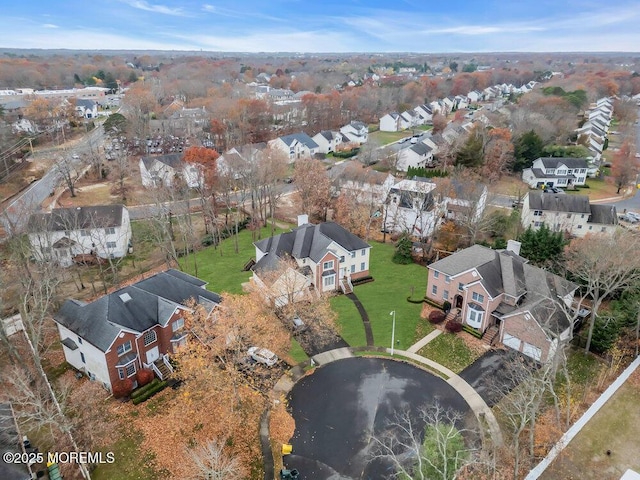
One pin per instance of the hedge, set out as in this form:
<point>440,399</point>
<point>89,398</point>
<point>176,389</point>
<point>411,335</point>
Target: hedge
<point>150,393</point>
<point>139,391</point>
<point>472,331</point>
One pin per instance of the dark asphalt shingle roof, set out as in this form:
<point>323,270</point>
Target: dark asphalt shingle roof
<point>136,307</point>
<point>555,202</point>
<point>173,160</point>
<point>60,219</point>
<point>603,214</point>
<point>555,162</point>
<point>300,137</point>
<point>307,241</point>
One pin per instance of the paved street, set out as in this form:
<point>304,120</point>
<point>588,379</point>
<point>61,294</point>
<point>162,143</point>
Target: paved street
<point>342,403</point>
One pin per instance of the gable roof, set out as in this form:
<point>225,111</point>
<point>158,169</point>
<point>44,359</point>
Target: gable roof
<point>505,272</point>
<point>301,137</point>
<point>603,214</point>
<point>559,202</point>
<point>421,148</point>
<point>75,218</point>
<point>306,241</point>
<point>173,160</point>
<point>136,307</point>
<point>555,162</point>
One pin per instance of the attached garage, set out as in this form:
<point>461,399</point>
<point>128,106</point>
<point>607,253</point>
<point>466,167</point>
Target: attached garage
<point>527,348</point>
<point>511,341</point>
<point>532,351</point>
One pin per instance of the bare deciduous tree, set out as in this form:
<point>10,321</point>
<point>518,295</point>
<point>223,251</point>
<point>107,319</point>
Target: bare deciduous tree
<point>426,446</point>
<point>604,264</point>
<point>212,463</point>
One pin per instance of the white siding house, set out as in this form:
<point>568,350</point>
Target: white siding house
<point>103,231</point>
<point>164,169</point>
<point>556,172</point>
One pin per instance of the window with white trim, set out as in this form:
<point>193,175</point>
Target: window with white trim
<point>460,286</point>
<point>353,269</point>
<point>329,281</point>
<point>537,213</point>
<point>353,254</point>
<point>363,266</point>
<point>130,369</point>
<point>124,348</point>
<point>363,252</point>
<point>82,357</point>
<point>327,265</point>
<point>149,337</point>
<point>342,259</point>
<point>111,244</point>
<point>445,295</point>
<point>477,297</point>
<point>447,279</point>
<point>121,374</point>
<point>474,315</point>
<point>434,289</point>
<point>436,274</point>
<point>110,231</point>
<point>177,325</point>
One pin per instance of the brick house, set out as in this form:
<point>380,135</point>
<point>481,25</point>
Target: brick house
<point>498,294</point>
<point>327,258</point>
<point>135,327</point>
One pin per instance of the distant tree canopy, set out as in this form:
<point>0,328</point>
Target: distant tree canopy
<point>577,98</point>
<point>527,148</point>
<point>469,67</point>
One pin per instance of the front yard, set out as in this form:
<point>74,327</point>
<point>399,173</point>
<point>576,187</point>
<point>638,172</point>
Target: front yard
<point>452,351</point>
<point>388,292</point>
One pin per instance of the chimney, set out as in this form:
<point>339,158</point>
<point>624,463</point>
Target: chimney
<point>303,220</point>
<point>514,246</point>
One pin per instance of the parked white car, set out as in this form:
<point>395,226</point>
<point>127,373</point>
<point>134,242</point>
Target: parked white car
<point>262,355</point>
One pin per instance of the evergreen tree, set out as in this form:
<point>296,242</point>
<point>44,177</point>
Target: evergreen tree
<point>527,148</point>
<point>402,254</point>
<point>470,155</point>
<point>541,247</point>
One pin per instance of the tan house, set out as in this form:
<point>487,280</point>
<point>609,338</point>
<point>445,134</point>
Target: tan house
<point>501,296</point>
<point>322,258</point>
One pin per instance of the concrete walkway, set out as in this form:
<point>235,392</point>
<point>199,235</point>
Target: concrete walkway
<point>332,355</point>
<point>479,407</point>
<point>415,348</point>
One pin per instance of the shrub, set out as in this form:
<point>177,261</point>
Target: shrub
<point>144,376</point>
<point>142,390</point>
<point>122,388</point>
<point>453,326</point>
<point>149,393</point>
<point>446,306</point>
<point>437,317</point>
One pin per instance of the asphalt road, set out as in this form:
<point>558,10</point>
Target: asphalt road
<point>341,404</point>
<point>29,200</point>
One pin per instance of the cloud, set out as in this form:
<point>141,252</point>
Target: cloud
<point>143,5</point>
<point>50,25</point>
<point>483,29</point>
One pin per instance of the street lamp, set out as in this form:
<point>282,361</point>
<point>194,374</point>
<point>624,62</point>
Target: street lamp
<point>393,331</point>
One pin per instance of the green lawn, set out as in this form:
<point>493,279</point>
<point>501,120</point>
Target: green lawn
<point>296,352</point>
<point>449,350</point>
<point>222,266</point>
<point>385,138</point>
<point>598,189</point>
<point>388,292</point>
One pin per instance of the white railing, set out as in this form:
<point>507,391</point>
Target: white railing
<point>156,371</point>
<point>165,360</point>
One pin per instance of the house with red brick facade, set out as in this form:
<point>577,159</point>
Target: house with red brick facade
<point>135,327</point>
<point>497,293</point>
<point>321,258</point>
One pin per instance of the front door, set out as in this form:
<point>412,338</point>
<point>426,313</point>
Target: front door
<point>458,301</point>
<point>153,355</point>
<point>343,272</point>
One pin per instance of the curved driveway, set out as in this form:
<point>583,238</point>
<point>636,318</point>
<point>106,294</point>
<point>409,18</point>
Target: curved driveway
<point>344,402</point>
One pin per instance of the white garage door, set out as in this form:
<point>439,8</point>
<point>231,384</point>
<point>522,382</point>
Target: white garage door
<point>532,351</point>
<point>511,341</point>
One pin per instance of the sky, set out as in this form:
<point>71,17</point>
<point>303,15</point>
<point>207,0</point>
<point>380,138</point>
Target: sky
<point>425,26</point>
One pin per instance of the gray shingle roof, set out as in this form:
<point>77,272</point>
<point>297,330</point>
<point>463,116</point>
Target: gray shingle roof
<point>555,162</point>
<point>464,260</point>
<point>421,148</point>
<point>603,214</point>
<point>136,307</point>
<point>306,241</point>
<point>555,202</point>
<point>60,219</point>
<point>173,160</point>
<point>300,137</point>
